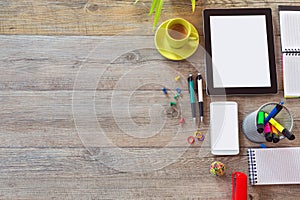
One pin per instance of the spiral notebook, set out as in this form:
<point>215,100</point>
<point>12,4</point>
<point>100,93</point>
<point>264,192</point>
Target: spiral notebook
<point>289,20</point>
<point>269,166</point>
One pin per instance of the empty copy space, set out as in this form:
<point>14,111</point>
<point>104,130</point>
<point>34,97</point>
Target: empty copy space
<point>240,51</point>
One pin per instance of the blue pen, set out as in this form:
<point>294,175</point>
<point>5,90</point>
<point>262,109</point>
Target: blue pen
<point>274,112</point>
<point>192,97</point>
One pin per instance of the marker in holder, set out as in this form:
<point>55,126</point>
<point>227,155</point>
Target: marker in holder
<point>250,124</point>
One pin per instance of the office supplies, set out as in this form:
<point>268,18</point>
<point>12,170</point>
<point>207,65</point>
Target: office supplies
<point>164,90</point>
<point>176,96</point>
<point>217,168</point>
<point>274,165</point>
<point>178,90</point>
<point>249,124</point>
<point>199,135</point>
<point>275,134</point>
<point>224,128</point>
<point>239,186</point>
<point>181,121</point>
<point>289,22</point>
<point>172,103</point>
<point>192,97</point>
<point>267,132</point>
<point>262,145</point>
<point>274,111</point>
<point>200,96</point>
<point>177,78</point>
<point>281,129</point>
<point>191,140</point>
<point>240,48</point>
<point>260,121</point>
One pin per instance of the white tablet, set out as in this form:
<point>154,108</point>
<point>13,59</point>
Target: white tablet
<point>224,131</point>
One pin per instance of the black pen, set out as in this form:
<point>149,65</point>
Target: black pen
<point>200,96</point>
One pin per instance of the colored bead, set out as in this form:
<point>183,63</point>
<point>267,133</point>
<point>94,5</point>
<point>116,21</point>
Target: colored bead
<point>177,78</point>
<point>176,96</point>
<point>178,90</point>
<point>164,90</point>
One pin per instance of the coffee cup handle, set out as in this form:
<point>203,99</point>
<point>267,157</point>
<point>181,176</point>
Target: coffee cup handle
<point>193,36</point>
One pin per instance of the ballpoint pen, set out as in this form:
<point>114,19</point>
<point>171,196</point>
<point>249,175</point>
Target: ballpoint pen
<point>192,96</point>
<point>275,111</point>
<point>200,96</point>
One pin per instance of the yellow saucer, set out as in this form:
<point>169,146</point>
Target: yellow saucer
<point>171,53</point>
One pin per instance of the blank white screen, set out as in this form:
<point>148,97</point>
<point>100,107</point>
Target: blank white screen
<point>240,51</point>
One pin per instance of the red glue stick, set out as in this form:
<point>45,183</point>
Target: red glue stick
<point>239,186</point>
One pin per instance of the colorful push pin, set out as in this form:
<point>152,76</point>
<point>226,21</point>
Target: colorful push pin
<point>178,90</point>
<point>181,121</point>
<point>177,78</point>
<point>217,169</point>
<point>191,140</point>
<point>176,96</point>
<point>172,103</point>
<point>164,90</point>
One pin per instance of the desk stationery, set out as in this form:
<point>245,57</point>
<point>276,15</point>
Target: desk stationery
<point>81,88</point>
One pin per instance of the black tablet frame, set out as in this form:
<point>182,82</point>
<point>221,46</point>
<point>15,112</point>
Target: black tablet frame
<point>211,90</point>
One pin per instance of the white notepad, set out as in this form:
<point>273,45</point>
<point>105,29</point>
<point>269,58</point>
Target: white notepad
<point>289,18</point>
<point>268,166</point>
<point>291,71</point>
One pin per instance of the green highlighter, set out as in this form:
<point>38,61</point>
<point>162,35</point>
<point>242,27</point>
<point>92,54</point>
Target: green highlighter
<point>260,121</point>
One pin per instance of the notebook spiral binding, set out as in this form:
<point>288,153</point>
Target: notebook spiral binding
<point>292,52</point>
<point>252,166</point>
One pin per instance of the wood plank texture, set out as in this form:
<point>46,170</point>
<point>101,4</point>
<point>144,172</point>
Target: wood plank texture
<point>104,17</point>
<point>82,114</point>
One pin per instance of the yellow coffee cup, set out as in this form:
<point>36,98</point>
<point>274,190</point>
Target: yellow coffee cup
<point>179,32</point>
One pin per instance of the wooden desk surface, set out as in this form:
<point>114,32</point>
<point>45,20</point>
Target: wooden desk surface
<point>67,67</point>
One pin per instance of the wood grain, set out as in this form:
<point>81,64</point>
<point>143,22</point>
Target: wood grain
<point>76,76</point>
<point>98,17</point>
<point>57,66</point>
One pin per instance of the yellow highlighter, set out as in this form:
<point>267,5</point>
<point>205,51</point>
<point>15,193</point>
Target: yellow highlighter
<point>281,129</point>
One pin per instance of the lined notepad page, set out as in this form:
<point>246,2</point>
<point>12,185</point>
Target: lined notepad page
<point>291,72</point>
<point>289,29</point>
<point>277,165</point>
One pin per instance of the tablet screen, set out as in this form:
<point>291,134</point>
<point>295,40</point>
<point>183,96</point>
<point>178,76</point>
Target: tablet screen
<point>242,52</point>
